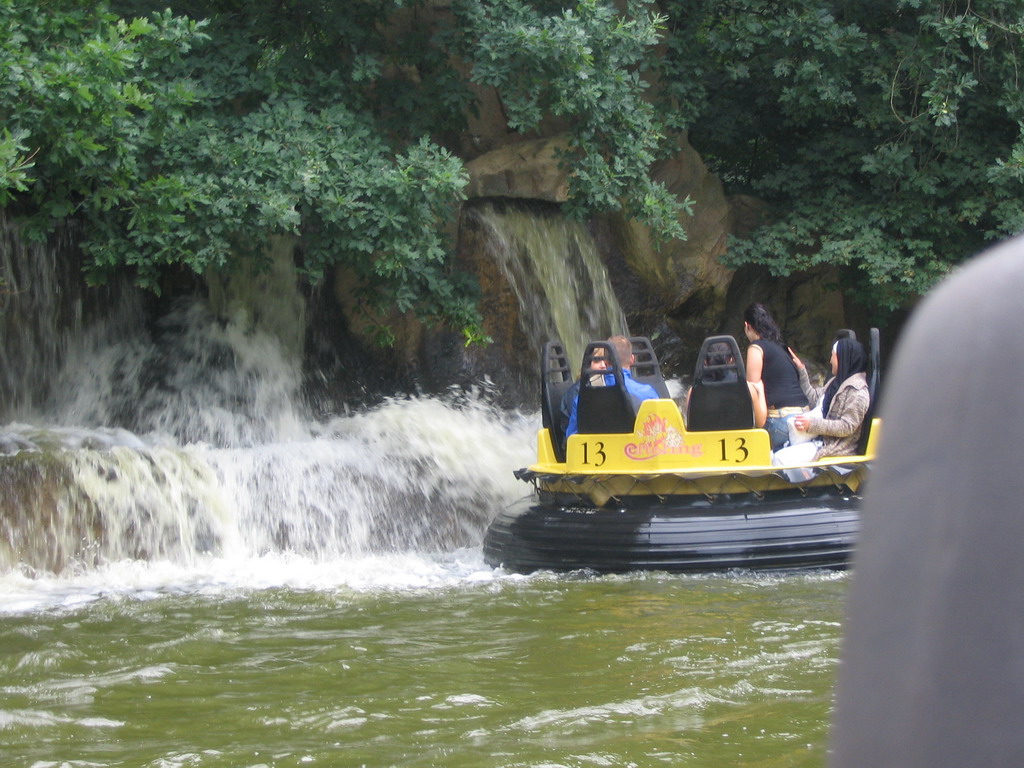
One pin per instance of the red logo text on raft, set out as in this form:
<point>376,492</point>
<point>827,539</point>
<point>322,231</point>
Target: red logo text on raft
<point>657,438</point>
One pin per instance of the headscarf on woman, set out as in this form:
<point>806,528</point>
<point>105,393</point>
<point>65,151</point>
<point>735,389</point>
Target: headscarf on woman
<point>852,359</point>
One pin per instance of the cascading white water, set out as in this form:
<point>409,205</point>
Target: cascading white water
<point>553,265</point>
<point>40,311</point>
<point>193,443</point>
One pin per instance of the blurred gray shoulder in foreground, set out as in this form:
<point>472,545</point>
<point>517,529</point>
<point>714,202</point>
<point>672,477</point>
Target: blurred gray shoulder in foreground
<point>932,665</point>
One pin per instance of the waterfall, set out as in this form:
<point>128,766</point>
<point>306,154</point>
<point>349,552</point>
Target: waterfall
<point>414,475</point>
<point>187,439</point>
<point>43,305</point>
<point>224,371</point>
<point>556,272</point>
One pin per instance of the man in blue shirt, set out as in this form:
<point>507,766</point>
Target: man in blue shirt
<point>638,391</point>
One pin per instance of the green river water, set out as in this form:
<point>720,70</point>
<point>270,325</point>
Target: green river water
<point>196,571</point>
<point>476,668</point>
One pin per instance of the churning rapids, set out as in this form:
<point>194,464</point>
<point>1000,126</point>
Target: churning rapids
<point>143,456</point>
<point>225,481</point>
<point>185,453</point>
<point>199,568</point>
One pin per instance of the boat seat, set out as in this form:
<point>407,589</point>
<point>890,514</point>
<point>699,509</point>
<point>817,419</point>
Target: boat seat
<point>874,380</point>
<point>719,398</point>
<point>646,368</point>
<point>555,380</point>
<point>603,407</point>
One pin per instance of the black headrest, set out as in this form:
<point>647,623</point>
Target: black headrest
<point>719,360</point>
<point>555,380</point>
<point>874,387</point>
<point>604,405</point>
<point>719,397</point>
<point>645,365</point>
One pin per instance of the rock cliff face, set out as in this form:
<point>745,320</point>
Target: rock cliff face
<point>677,293</point>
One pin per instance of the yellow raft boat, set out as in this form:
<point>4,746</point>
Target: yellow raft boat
<point>635,489</point>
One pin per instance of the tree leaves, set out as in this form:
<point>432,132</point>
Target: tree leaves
<point>191,143</point>
<point>583,63</point>
<point>885,136</point>
<point>192,140</point>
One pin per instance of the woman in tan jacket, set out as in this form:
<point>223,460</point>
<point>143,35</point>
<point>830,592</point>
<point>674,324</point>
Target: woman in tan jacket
<point>844,402</point>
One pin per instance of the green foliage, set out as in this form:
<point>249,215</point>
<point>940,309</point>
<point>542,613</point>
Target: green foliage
<point>887,137</point>
<point>187,137</point>
<point>585,64</point>
<point>14,164</point>
<point>182,142</point>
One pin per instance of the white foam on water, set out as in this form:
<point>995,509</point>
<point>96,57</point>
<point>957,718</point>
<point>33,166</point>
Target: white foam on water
<point>392,498</point>
<point>229,486</point>
<point>181,457</point>
<point>218,577</point>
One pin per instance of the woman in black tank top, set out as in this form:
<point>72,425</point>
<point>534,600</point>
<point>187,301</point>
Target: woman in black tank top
<point>769,362</point>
